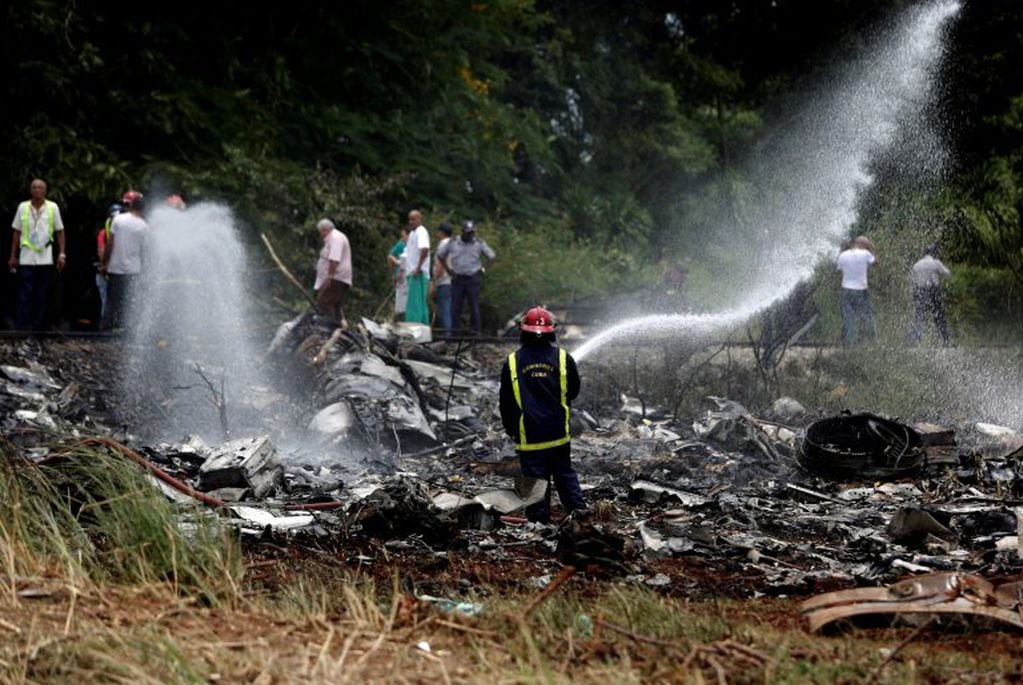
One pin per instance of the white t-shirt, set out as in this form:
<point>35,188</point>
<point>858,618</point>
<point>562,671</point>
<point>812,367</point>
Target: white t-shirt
<point>38,231</point>
<point>928,272</point>
<point>854,264</point>
<point>129,232</point>
<point>417,240</point>
<point>335,249</point>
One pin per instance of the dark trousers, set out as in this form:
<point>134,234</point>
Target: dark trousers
<point>120,297</point>
<point>466,288</point>
<point>552,464</point>
<point>927,301</point>
<point>33,297</point>
<point>857,316</point>
<point>330,299</point>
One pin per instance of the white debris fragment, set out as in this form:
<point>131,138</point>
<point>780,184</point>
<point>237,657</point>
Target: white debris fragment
<point>334,419</point>
<point>264,518</point>
<point>992,430</point>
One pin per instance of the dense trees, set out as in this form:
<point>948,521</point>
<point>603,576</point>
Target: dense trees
<point>595,130</point>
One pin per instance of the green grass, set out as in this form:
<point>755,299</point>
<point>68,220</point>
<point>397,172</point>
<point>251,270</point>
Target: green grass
<point>97,518</point>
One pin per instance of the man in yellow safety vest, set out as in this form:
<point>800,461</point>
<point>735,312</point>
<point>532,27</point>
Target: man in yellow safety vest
<point>36,223</point>
<point>538,383</point>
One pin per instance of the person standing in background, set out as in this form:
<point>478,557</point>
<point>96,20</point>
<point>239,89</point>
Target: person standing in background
<point>927,275</point>
<point>857,315</point>
<point>101,244</point>
<point>37,223</point>
<point>417,269</point>
<point>333,272</point>
<point>465,256</point>
<point>396,259</point>
<point>441,283</point>
<point>122,260</point>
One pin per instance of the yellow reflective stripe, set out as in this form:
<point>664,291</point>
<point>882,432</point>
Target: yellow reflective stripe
<point>523,445</point>
<point>26,240</point>
<point>513,371</point>
<point>542,445</point>
<point>563,366</point>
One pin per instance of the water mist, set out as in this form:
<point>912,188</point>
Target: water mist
<point>816,171</point>
<point>188,347</point>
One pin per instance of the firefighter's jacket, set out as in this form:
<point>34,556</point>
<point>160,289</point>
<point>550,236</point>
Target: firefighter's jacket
<point>538,383</point>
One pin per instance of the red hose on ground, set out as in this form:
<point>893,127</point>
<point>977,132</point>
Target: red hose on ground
<point>314,506</point>
<point>152,468</point>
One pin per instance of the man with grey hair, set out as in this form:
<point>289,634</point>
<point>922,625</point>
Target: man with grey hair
<point>37,224</point>
<point>333,272</point>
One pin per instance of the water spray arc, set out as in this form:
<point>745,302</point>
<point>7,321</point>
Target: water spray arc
<point>188,348</point>
<point>823,164</point>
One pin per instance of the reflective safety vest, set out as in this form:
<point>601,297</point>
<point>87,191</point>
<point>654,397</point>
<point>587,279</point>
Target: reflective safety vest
<point>26,236</point>
<point>524,444</point>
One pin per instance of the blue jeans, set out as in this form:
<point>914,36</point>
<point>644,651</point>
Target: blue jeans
<point>101,288</point>
<point>33,297</point>
<point>552,464</point>
<point>444,307</point>
<point>857,317</point>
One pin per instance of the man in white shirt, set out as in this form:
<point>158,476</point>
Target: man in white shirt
<point>122,260</point>
<point>857,316</point>
<point>417,269</point>
<point>37,223</point>
<point>333,272</point>
<point>927,274</point>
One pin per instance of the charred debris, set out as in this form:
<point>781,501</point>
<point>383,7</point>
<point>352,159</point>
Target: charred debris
<point>398,442</point>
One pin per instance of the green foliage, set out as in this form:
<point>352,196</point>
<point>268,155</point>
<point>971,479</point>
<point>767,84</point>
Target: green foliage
<point>614,128</point>
<point>988,304</point>
<point>532,267</point>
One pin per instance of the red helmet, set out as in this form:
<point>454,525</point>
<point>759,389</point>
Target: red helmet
<point>538,320</point>
<point>131,197</point>
<point>175,201</point>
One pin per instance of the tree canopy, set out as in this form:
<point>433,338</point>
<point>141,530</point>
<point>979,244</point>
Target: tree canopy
<point>593,129</point>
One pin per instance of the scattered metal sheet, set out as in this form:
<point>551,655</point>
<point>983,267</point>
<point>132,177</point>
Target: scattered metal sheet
<point>652,493</point>
<point>15,390</point>
<point>933,593</point>
<point>992,430</point>
<point>416,332</point>
<point>442,375</point>
<point>35,377</point>
<point>249,463</point>
<point>333,420</point>
<point>263,518</point>
<point>528,491</point>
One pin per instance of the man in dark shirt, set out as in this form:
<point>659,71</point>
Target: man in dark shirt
<point>538,382</point>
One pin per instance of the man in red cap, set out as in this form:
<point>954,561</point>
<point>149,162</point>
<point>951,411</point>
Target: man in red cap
<point>538,383</point>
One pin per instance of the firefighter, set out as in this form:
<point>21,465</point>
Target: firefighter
<point>538,382</point>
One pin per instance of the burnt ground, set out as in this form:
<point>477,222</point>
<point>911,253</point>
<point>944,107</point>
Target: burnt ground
<point>724,514</point>
<point>710,513</point>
